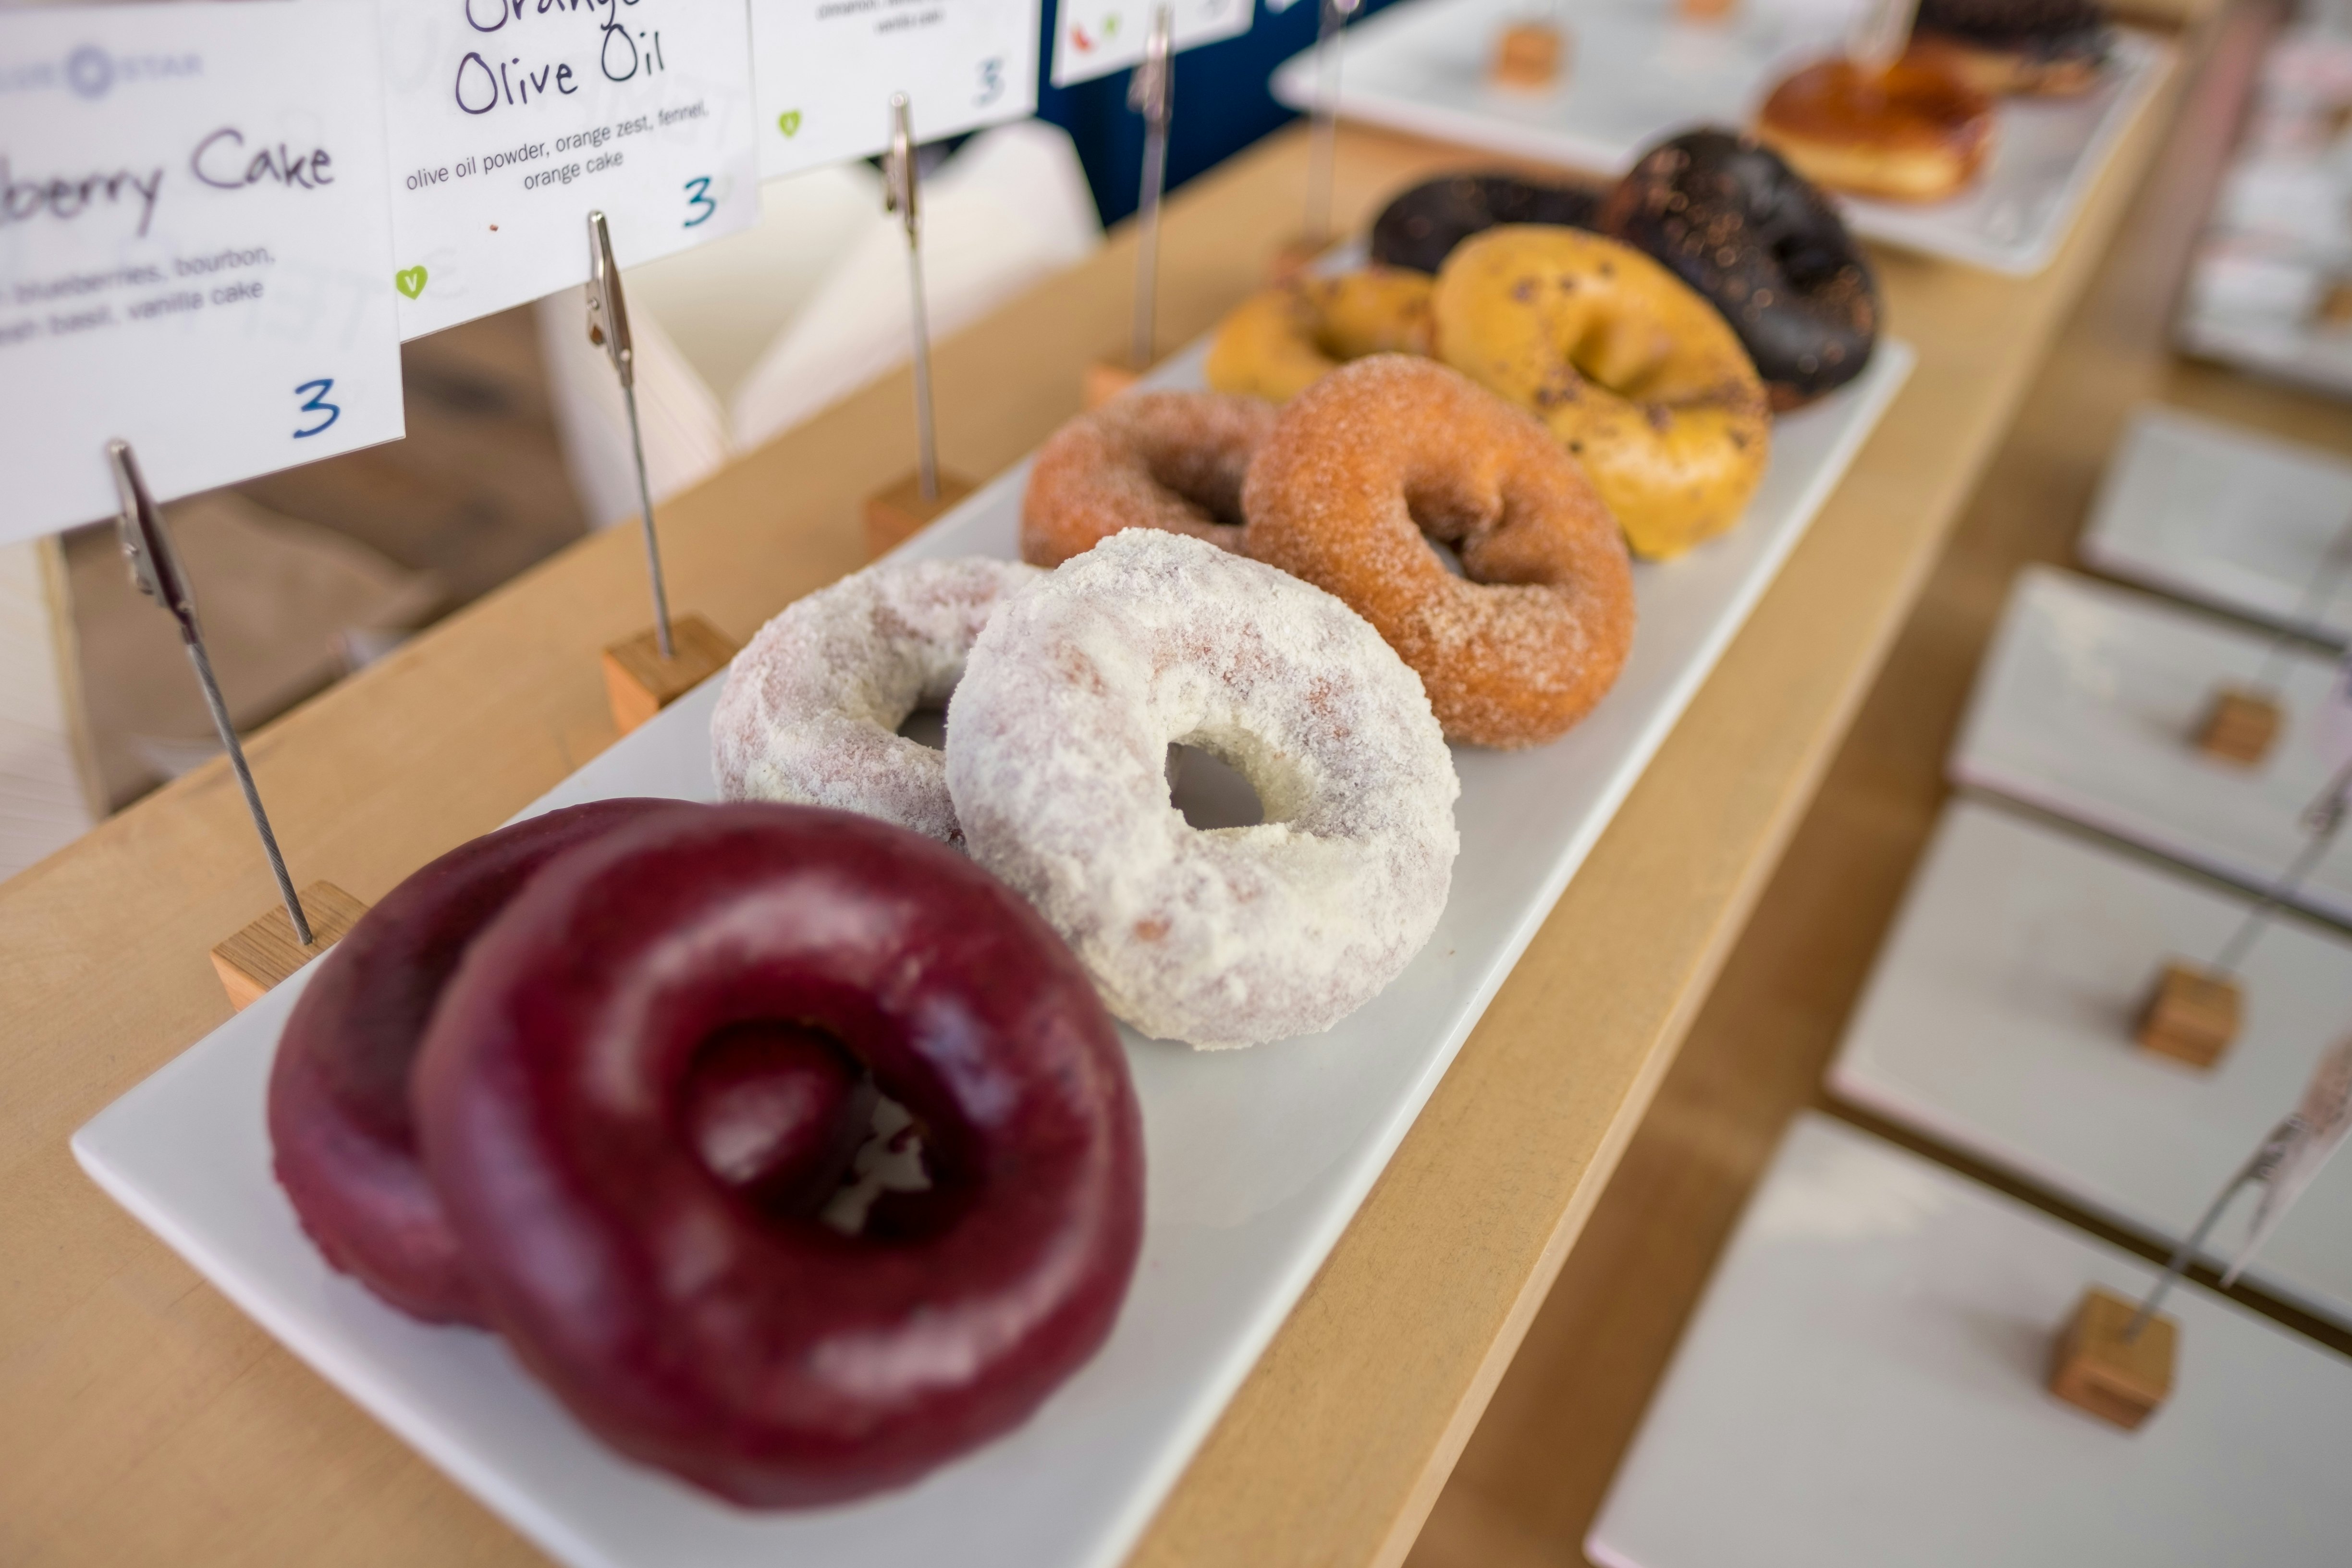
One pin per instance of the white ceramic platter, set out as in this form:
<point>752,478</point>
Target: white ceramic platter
<point>1638,73</point>
<point>1257,1159</point>
<point>2000,1020</point>
<point>2086,707</point>
<point>2247,523</point>
<point>1862,1385</point>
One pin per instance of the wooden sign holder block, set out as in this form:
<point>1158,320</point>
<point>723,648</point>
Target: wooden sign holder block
<point>2241,726</point>
<point>265,951</point>
<point>1530,56</point>
<point>897,515</point>
<point>2095,1368</point>
<point>1106,379</point>
<point>640,683</point>
<point>2193,1014</point>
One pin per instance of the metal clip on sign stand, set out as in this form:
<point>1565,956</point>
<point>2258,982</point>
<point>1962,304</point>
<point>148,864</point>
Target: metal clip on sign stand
<point>1322,149</point>
<point>1151,92</point>
<point>892,515</point>
<point>272,947</point>
<point>646,673</point>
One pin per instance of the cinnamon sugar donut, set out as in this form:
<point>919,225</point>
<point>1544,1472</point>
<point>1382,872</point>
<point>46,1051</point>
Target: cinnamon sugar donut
<point>811,707</point>
<point>1277,343</point>
<point>1230,936</point>
<point>1168,460</point>
<point>1380,453</point>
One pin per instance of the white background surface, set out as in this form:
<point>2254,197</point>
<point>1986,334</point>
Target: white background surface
<point>1257,1159</point>
<point>1637,73</point>
<point>205,396</point>
<point>2238,521</point>
<point>484,240</point>
<point>962,64</point>
<point>2000,1020</point>
<point>1863,1387</point>
<point>2086,706</point>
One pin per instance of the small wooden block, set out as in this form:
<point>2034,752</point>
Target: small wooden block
<point>640,683</point>
<point>1707,10</point>
<point>895,515</point>
<point>2335,308</point>
<point>266,953</point>
<point>2095,1367</point>
<point>1296,255</point>
<point>2240,726</point>
<point>1529,54</point>
<point>2191,1016</point>
<point>1106,379</point>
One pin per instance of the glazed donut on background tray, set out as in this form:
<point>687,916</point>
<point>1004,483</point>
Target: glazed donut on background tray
<point>1908,133</point>
<point>1276,343</point>
<point>1640,378</point>
<point>812,707</point>
<point>1379,453</point>
<point>1419,229</point>
<point>786,1119</point>
<point>2045,47</point>
<point>774,1360</point>
<point>1169,460</point>
<point>1056,746</point>
<point>1731,220</point>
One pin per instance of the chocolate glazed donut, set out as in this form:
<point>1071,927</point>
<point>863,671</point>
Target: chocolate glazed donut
<point>1419,229</point>
<point>1731,220</point>
<point>771,1361</point>
<point>776,1114</point>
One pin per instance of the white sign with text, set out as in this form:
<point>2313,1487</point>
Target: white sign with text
<point>510,120</point>
<point>195,251</point>
<point>826,70</point>
<point>1096,37</point>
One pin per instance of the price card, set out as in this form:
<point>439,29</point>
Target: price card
<point>1096,37</point>
<point>195,251</point>
<point>510,120</point>
<point>825,71</point>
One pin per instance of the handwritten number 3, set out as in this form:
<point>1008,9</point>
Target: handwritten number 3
<point>318,390</point>
<point>698,194</point>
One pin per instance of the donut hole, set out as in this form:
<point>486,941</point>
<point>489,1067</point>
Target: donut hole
<point>1207,479</point>
<point>1447,556</point>
<point>927,726</point>
<point>1210,792</point>
<point>774,1110</point>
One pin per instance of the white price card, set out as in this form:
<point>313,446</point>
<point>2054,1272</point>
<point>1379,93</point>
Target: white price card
<point>511,120</point>
<point>195,251</point>
<point>1096,37</point>
<point>825,70</point>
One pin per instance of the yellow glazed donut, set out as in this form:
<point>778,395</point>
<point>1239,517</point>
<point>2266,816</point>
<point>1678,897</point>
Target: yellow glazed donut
<point>1276,345</point>
<point>1637,375</point>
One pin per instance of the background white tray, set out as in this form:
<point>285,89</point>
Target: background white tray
<point>2084,707</point>
<point>1862,1386</point>
<point>2242,522</point>
<point>1999,1019</point>
<point>1638,73</point>
<point>1257,1159</point>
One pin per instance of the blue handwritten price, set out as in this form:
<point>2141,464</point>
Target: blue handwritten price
<point>698,194</point>
<point>992,81</point>
<point>316,391</point>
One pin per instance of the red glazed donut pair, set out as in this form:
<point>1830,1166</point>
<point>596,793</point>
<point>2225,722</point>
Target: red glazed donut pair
<point>669,964</point>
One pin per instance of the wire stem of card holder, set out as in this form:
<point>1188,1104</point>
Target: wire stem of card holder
<point>1152,93</point>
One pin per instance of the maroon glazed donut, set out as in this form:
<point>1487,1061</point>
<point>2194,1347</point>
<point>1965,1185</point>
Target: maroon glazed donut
<point>774,1111</point>
<point>774,1360</point>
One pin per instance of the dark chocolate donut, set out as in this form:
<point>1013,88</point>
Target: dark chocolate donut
<point>771,1360</point>
<point>1420,229</point>
<point>2016,45</point>
<point>1728,217</point>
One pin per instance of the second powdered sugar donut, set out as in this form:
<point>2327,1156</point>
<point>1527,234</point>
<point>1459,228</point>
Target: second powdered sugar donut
<point>1057,742</point>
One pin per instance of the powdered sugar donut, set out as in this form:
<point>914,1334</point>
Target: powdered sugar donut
<point>811,707</point>
<point>1056,742</point>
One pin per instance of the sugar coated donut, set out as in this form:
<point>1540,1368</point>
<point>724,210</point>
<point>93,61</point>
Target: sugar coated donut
<point>1275,344</point>
<point>1729,217</point>
<point>1419,229</point>
<point>1373,457</point>
<point>811,707</point>
<point>1056,744</point>
<point>773,1359</point>
<point>781,1119</point>
<point>1171,460</point>
<point>1911,132</point>
<point>1640,378</point>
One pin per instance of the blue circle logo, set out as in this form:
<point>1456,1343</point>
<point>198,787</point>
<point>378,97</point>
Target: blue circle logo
<point>90,71</point>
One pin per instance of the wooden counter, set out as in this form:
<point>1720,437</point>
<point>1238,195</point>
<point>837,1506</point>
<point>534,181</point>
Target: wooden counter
<point>149,1421</point>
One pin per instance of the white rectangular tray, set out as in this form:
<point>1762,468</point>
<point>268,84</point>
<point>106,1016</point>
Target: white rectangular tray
<point>2000,1020</point>
<point>2086,705</point>
<point>1862,1386</point>
<point>1257,1159</point>
<point>1637,73</point>
<point>2226,517</point>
